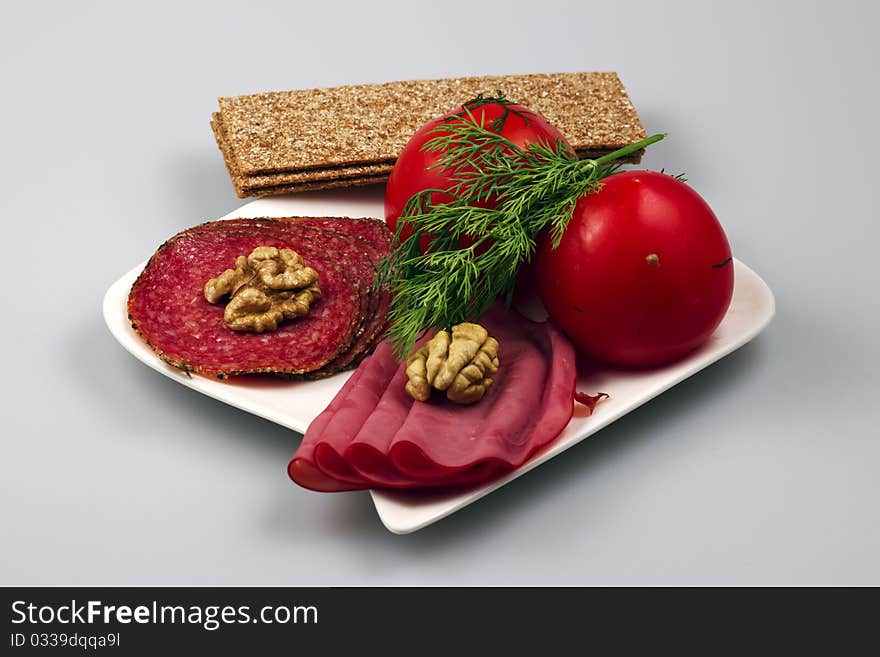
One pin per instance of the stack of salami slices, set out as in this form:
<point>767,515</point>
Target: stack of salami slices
<point>167,307</point>
<point>374,435</point>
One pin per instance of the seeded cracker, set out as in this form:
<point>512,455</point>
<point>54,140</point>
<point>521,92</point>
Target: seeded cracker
<point>316,186</point>
<point>309,139</point>
<point>355,174</point>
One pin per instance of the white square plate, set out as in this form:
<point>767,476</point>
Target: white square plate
<point>295,404</point>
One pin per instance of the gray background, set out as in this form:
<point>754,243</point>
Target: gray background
<point>761,470</point>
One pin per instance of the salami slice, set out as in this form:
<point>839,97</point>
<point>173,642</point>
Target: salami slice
<point>359,244</point>
<point>353,256</point>
<point>167,307</point>
<point>376,232</point>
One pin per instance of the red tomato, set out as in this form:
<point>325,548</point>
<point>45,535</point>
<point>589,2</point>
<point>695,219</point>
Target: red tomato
<point>643,274</point>
<point>411,172</point>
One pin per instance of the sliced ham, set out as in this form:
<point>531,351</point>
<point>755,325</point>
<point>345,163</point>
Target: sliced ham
<point>302,468</point>
<point>368,452</point>
<point>374,435</point>
<point>343,426</point>
<point>339,422</point>
<point>530,407</point>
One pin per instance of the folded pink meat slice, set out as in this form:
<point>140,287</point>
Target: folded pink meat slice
<point>375,435</point>
<point>351,415</point>
<point>302,468</point>
<point>316,464</point>
<point>529,405</point>
<point>367,453</point>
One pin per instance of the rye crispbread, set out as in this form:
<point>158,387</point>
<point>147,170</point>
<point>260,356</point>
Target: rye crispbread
<point>281,142</point>
<point>264,184</point>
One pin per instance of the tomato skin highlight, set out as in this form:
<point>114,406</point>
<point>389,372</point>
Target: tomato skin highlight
<point>643,274</point>
<point>412,172</point>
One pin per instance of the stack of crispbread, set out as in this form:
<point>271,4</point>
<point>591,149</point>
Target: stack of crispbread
<point>292,141</point>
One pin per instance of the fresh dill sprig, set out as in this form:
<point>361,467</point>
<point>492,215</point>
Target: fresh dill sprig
<point>529,189</point>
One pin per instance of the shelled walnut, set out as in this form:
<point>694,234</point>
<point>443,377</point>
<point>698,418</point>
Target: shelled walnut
<point>460,365</point>
<point>265,288</point>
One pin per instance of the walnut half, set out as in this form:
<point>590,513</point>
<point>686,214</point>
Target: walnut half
<point>265,288</point>
<point>461,365</point>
